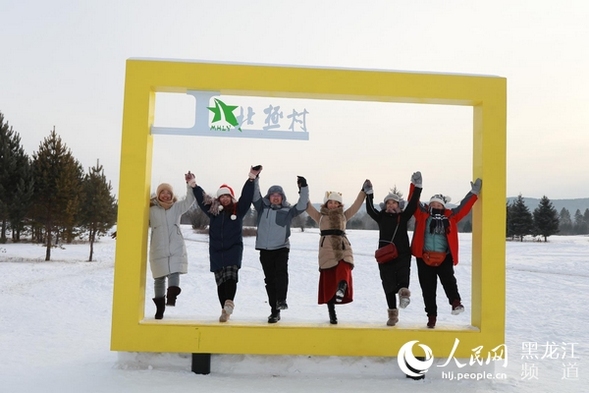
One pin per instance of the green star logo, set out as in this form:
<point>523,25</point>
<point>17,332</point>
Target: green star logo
<point>223,113</point>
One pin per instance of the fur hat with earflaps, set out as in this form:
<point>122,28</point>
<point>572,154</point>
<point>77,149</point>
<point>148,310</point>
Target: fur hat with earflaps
<point>333,196</point>
<point>391,196</point>
<point>441,199</point>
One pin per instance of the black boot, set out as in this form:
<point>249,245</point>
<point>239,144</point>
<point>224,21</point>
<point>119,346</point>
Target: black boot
<point>332,316</point>
<point>173,292</point>
<point>160,307</point>
<point>274,316</point>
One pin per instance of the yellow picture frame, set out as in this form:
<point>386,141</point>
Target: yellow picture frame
<point>486,94</point>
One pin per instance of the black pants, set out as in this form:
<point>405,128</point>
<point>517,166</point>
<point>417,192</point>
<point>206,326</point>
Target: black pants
<point>428,280</point>
<point>394,275</point>
<point>275,266</point>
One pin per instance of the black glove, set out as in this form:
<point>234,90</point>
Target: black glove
<point>301,182</point>
<point>255,172</point>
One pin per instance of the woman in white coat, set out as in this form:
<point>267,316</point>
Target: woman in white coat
<point>167,251</point>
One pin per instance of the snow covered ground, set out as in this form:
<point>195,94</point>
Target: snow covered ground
<point>55,322</point>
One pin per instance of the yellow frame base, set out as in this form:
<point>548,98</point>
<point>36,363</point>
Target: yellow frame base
<point>487,96</point>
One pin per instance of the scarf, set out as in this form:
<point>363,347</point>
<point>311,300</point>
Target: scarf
<point>439,223</point>
<point>166,205</point>
<point>216,207</point>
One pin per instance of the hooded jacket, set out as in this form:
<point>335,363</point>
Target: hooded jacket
<point>274,220</point>
<point>167,250</point>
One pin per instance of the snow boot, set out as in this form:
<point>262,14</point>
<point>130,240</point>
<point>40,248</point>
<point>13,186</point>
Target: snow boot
<point>457,307</point>
<point>404,295</point>
<point>229,306</point>
<point>332,315</point>
<point>160,307</point>
<point>173,292</point>
<point>281,305</point>
<point>341,291</point>
<point>274,317</point>
<point>431,321</point>
<point>393,317</point>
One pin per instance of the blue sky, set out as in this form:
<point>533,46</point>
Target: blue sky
<point>64,65</point>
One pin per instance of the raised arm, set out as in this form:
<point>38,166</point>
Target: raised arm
<point>349,213</point>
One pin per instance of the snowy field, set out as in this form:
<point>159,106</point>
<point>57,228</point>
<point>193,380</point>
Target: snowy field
<point>55,322</point>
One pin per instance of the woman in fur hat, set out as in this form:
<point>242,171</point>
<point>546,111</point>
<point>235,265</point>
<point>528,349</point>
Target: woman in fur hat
<point>435,246</point>
<point>392,224</point>
<point>167,250</point>
<point>336,259</point>
<point>226,237</point>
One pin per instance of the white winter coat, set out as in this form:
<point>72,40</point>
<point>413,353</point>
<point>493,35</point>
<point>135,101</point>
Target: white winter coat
<point>167,250</point>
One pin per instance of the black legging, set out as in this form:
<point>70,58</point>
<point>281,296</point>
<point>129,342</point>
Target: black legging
<point>226,290</point>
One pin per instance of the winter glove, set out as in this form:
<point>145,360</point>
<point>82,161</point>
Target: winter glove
<point>255,172</point>
<point>301,182</point>
<point>416,179</point>
<point>367,187</point>
<point>476,186</point>
<point>190,179</point>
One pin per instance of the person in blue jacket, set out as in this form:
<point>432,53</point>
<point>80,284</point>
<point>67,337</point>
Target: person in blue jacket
<point>274,219</point>
<point>226,237</point>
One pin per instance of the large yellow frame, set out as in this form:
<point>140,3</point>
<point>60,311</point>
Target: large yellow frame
<point>487,96</point>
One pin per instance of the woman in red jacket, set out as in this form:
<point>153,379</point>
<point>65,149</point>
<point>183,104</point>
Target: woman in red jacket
<point>435,246</point>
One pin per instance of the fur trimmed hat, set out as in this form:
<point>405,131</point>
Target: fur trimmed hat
<point>225,190</point>
<point>440,198</point>
<point>392,196</point>
<point>333,196</point>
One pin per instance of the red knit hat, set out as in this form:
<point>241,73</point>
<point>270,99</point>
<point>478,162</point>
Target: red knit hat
<point>225,190</point>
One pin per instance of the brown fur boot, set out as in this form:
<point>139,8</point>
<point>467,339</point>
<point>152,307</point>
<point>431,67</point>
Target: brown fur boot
<point>393,317</point>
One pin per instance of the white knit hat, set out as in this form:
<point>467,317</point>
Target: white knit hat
<point>333,196</point>
<point>440,198</point>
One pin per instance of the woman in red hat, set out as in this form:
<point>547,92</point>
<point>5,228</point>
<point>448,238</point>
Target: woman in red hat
<point>225,236</point>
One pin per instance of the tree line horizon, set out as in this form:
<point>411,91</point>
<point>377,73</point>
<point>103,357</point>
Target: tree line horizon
<point>48,198</point>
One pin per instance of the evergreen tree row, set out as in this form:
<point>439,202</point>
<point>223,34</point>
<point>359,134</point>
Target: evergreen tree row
<point>48,196</point>
<point>544,221</point>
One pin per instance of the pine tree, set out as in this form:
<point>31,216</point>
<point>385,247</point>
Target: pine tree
<point>58,185</point>
<point>15,181</point>
<point>521,222</point>
<point>566,223</point>
<point>546,218</point>
<point>580,227</point>
<point>98,209</point>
